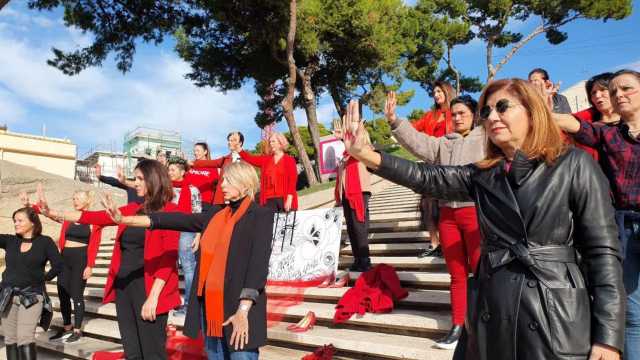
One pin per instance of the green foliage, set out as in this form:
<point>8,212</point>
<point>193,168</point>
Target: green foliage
<point>380,133</point>
<point>415,115</point>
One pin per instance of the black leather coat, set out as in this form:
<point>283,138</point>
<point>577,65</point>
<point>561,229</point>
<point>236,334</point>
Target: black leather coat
<point>549,283</point>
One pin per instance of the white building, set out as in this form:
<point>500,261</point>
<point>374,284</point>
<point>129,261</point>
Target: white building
<point>52,155</point>
<point>577,96</point>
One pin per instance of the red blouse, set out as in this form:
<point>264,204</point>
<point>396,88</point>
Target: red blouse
<point>430,125</point>
<point>160,256</point>
<point>277,180</point>
<point>219,163</point>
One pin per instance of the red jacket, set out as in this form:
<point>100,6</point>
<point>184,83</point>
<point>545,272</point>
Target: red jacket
<point>160,256</point>
<point>588,115</point>
<point>219,163</point>
<point>276,180</point>
<point>205,179</point>
<point>374,292</point>
<point>94,239</point>
<point>429,125</point>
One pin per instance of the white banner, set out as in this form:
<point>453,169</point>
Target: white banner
<point>305,244</point>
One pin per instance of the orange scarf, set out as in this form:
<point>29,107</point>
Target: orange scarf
<point>214,248</point>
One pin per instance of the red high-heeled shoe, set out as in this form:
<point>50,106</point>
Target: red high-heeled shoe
<point>307,322</point>
<point>342,281</point>
<point>328,281</point>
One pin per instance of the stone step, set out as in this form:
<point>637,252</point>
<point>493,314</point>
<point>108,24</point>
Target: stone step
<point>395,237</point>
<point>399,226</point>
<point>397,216</point>
<point>423,299</point>
<point>383,211</point>
<point>403,320</point>
<point>369,345</point>
<point>392,249</point>
<point>105,328</point>
<point>400,321</point>
<point>99,281</point>
<point>401,262</point>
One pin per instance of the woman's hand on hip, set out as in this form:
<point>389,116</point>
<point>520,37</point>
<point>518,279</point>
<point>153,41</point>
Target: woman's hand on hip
<point>604,352</point>
<point>240,335</point>
<point>149,308</point>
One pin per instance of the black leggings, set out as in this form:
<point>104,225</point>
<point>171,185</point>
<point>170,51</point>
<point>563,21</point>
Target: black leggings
<point>71,285</point>
<point>141,339</point>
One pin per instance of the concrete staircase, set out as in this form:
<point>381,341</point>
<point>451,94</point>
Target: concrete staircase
<point>406,333</point>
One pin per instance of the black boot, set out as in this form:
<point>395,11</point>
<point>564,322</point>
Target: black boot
<point>450,341</point>
<point>12,351</point>
<point>355,266</point>
<point>365,264</point>
<point>27,352</point>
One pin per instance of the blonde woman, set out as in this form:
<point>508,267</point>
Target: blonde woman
<point>227,299</point>
<point>79,245</point>
<point>278,174</point>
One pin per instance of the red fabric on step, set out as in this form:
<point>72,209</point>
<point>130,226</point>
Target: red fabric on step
<point>375,291</point>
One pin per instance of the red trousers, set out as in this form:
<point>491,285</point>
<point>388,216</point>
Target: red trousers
<point>460,242</point>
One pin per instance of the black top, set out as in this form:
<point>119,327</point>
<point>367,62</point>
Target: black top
<point>132,195</point>
<point>27,269</point>
<point>246,271</point>
<point>78,232</point>
<point>132,250</point>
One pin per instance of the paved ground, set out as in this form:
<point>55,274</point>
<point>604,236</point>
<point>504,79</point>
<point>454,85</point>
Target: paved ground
<point>41,355</point>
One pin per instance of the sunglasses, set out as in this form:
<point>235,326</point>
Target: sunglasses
<point>501,107</point>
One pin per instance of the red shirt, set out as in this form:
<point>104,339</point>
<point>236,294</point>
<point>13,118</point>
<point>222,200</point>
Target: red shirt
<point>430,125</point>
<point>219,163</point>
<point>160,256</point>
<point>277,180</point>
<point>205,179</point>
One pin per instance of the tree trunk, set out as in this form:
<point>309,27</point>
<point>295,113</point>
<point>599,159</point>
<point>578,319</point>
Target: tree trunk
<point>310,109</point>
<point>287,103</point>
<point>3,3</point>
<point>456,73</point>
<point>338,101</point>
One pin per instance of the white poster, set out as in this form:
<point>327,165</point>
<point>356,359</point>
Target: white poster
<point>305,245</point>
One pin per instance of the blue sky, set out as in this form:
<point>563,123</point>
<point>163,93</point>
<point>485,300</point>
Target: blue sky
<point>97,107</point>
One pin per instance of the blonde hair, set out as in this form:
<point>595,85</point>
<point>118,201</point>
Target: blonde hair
<point>282,140</point>
<point>544,141</point>
<point>87,194</point>
<point>243,176</point>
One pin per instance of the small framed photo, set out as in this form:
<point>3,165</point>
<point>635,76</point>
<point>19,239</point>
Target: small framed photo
<point>331,151</point>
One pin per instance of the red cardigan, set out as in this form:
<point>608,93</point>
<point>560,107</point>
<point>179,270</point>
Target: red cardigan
<point>220,163</point>
<point>94,239</point>
<point>429,125</point>
<point>160,256</point>
<point>275,186</point>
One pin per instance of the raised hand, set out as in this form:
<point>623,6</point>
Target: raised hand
<point>111,208</point>
<point>24,199</point>
<point>390,107</point>
<point>355,134</point>
<point>337,128</point>
<point>120,174</point>
<point>42,200</point>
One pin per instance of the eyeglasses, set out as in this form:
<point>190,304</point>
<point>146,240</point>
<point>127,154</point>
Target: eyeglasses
<point>501,107</point>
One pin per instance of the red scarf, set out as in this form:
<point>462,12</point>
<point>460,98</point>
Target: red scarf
<point>184,202</point>
<point>352,189</point>
<point>214,248</point>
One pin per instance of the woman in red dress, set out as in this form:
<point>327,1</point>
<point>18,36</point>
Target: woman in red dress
<point>278,175</point>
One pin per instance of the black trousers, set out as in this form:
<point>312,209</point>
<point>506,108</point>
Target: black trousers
<point>358,231</point>
<point>141,339</point>
<point>275,204</point>
<point>71,285</point>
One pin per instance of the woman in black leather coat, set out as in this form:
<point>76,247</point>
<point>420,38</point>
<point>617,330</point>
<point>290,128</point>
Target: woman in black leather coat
<point>549,282</point>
